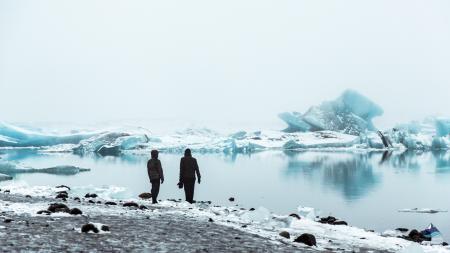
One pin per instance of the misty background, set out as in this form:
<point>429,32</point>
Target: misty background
<point>222,64</point>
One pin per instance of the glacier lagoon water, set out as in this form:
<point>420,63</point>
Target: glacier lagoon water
<point>365,189</point>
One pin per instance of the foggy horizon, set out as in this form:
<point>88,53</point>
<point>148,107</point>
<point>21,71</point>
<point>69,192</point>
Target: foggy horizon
<point>212,65</point>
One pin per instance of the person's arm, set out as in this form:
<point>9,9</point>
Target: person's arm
<point>160,170</point>
<point>148,170</point>
<point>197,171</point>
<point>181,169</point>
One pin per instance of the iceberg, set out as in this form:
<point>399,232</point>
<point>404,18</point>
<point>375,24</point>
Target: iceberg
<point>13,136</point>
<point>351,113</point>
<point>442,127</point>
<point>113,143</point>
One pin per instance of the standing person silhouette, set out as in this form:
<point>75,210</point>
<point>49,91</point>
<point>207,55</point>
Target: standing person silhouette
<point>155,174</point>
<point>188,170</point>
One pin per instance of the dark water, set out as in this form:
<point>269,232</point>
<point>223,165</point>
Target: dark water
<point>365,189</point>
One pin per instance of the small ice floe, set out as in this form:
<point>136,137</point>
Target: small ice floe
<point>422,210</point>
<point>307,212</point>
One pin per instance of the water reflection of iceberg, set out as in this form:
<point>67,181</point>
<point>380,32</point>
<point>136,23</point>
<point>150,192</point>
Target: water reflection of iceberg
<point>351,174</point>
<point>442,161</point>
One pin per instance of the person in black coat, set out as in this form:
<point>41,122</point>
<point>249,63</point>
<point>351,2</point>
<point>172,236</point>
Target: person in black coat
<point>188,170</point>
<point>155,174</point>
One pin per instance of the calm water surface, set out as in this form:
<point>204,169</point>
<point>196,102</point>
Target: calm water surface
<point>365,189</point>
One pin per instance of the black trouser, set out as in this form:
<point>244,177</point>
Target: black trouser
<point>189,184</point>
<point>155,190</point>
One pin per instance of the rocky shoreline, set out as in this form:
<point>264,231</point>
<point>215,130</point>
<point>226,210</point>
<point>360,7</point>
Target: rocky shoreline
<point>122,227</point>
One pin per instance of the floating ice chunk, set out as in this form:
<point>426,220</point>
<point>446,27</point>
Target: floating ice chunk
<point>261,215</point>
<point>351,113</point>
<point>11,168</point>
<point>412,248</point>
<point>422,210</point>
<point>307,212</point>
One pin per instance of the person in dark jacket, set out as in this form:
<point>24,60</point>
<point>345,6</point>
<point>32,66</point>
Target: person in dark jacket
<point>188,170</point>
<point>155,174</point>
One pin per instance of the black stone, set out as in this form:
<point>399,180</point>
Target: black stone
<point>89,227</point>
<point>104,228</point>
<point>142,207</point>
<point>62,195</point>
<point>75,211</point>
<point>285,234</point>
<point>91,195</point>
<point>210,220</point>
<point>7,220</point>
<point>251,209</point>
<point>58,207</point>
<point>44,212</point>
<point>403,230</point>
<point>327,220</point>
<point>131,204</point>
<point>231,199</point>
<point>91,201</point>
<point>145,195</point>
<point>110,203</point>
<point>340,222</point>
<point>307,239</point>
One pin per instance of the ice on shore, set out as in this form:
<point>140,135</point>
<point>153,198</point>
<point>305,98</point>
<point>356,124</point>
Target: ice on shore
<point>351,113</point>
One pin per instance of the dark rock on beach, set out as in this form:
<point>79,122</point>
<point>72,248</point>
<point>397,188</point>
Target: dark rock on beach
<point>62,195</point>
<point>105,228</point>
<point>7,220</point>
<point>231,199</point>
<point>285,234</point>
<point>416,236</point>
<point>145,195</point>
<point>86,228</point>
<point>131,204</point>
<point>340,222</point>
<point>110,203</point>
<point>403,230</point>
<point>46,212</point>
<point>307,239</point>
<point>332,221</point>
<point>75,211</point>
<point>58,207</point>
<point>90,195</point>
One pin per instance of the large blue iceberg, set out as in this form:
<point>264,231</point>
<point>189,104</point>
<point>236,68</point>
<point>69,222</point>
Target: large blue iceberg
<point>13,136</point>
<point>351,113</point>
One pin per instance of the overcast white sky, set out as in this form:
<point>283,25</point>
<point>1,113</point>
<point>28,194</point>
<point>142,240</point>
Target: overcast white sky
<point>219,63</point>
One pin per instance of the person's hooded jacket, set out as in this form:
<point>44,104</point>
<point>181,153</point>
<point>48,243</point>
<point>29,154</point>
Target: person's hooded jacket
<point>189,167</point>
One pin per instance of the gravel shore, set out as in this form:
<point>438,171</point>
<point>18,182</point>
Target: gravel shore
<point>155,229</point>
